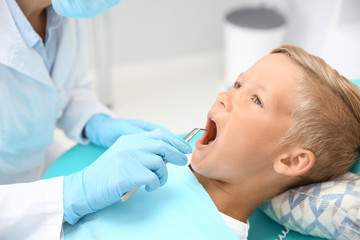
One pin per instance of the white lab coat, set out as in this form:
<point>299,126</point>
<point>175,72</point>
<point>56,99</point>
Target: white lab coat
<point>32,103</point>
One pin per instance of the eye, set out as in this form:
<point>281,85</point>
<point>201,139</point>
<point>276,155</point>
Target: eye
<point>257,101</point>
<point>237,85</point>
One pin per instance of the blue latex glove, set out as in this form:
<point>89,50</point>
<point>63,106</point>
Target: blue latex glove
<point>133,160</point>
<point>82,8</point>
<point>103,130</point>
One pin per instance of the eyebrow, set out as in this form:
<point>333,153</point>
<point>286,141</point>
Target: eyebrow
<point>257,86</point>
<point>262,88</point>
<point>241,76</point>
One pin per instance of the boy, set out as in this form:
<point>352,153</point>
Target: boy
<point>289,120</point>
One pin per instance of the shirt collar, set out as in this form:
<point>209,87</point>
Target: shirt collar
<point>25,28</point>
<point>53,19</point>
<point>30,36</point>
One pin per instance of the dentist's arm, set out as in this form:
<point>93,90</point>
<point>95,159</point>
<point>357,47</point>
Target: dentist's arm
<point>133,160</point>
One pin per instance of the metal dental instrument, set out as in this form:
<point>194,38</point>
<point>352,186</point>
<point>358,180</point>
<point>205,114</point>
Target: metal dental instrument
<point>187,138</point>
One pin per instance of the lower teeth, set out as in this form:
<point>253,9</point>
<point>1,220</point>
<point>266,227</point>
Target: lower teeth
<point>210,141</point>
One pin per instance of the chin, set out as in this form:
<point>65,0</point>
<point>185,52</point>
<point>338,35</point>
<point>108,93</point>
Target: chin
<point>202,162</point>
<point>196,160</point>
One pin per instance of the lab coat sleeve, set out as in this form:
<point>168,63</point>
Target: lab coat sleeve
<point>32,210</point>
<point>82,103</point>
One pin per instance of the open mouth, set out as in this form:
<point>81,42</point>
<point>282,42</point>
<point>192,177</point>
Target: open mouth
<point>209,136</point>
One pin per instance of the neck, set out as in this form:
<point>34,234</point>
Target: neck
<point>35,12</point>
<point>239,200</point>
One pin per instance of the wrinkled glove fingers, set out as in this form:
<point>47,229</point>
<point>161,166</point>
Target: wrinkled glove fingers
<point>146,125</point>
<point>166,152</point>
<point>170,139</point>
<point>146,177</point>
<point>156,164</point>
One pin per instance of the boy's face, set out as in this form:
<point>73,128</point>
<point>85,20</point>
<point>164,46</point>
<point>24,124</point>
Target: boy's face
<point>248,121</point>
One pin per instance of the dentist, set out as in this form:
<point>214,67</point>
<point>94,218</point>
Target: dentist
<point>43,85</point>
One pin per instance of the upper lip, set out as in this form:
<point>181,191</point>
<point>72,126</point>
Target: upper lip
<point>211,117</point>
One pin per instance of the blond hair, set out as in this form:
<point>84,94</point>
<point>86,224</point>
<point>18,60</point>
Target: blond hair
<point>326,120</point>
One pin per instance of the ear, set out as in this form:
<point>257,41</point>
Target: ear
<point>296,163</point>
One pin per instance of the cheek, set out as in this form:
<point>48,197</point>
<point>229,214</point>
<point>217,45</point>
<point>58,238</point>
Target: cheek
<point>225,159</point>
<point>238,142</point>
<point>253,135</point>
<point>241,147</point>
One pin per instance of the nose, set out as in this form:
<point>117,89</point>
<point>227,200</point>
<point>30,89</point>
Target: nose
<point>224,99</point>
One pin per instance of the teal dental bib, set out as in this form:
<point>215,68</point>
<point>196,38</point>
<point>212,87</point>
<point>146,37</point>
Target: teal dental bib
<point>181,209</point>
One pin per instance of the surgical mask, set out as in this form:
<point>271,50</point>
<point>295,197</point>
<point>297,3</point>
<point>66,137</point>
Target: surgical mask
<point>82,8</point>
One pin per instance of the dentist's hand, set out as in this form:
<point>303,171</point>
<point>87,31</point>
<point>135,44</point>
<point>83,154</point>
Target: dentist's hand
<point>103,130</point>
<point>132,161</point>
<point>82,8</point>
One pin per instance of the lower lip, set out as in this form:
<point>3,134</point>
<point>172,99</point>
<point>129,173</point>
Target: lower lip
<point>199,144</point>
